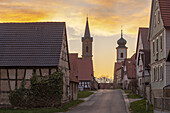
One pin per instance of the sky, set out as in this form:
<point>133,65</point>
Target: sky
<point>105,20</point>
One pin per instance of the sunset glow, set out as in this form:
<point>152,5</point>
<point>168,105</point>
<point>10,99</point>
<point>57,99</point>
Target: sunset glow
<point>105,20</point>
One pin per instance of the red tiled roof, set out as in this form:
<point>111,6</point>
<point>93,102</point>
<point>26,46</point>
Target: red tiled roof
<point>85,69</point>
<point>165,11</point>
<point>131,67</point>
<point>74,67</point>
<point>144,35</point>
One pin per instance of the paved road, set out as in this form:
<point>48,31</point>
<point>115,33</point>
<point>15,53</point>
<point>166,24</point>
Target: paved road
<point>103,101</point>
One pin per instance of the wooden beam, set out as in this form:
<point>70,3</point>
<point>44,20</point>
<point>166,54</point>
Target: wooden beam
<point>40,72</point>
<point>57,69</point>
<point>16,78</point>
<point>4,91</point>
<point>49,71</point>
<point>8,80</point>
<point>24,73</point>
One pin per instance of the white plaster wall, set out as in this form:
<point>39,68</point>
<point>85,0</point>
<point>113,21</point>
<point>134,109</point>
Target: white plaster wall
<point>119,51</point>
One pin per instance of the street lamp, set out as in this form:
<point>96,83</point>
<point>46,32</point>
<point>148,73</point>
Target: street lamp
<point>142,53</point>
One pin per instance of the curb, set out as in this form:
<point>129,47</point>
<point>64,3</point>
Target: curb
<point>126,100</point>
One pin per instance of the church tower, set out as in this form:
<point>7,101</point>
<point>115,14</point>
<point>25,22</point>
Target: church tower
<point>87,43</point>
<point>121,49</point>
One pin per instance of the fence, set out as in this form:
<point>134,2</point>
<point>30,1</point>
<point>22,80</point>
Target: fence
<point>162,103</point>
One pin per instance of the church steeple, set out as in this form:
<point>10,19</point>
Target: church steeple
<point>121,49</point>
<point>87,31</point>
<point>87,43</point>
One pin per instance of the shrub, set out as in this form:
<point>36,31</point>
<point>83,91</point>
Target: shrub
<point>43,92</point>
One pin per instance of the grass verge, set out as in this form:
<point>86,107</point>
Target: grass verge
<point>140,107</point>
<point>133,96</point>
<point>84,94</point>
<point>128,91</point>
<point>64,108</point>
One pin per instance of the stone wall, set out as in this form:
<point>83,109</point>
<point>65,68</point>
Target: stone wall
<point>73,90</point>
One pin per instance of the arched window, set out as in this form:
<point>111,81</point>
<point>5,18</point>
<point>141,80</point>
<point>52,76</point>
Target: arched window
<point>121,55</point>
<point>87,49</point>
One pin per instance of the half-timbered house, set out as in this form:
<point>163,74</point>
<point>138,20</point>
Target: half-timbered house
<point>27,48</point>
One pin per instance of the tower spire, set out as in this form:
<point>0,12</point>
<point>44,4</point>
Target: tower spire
<point>87,31</point>
<point>121,32</point>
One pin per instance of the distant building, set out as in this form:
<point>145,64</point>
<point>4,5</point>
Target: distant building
<point>104,80</point>
<point>143,60</point>
<point>27,48</point>
<point>159,37</point>
<point>85,73</point>
<point>118,73</point>
<point>129,72</point>
<point>73,76</point>
<point>121,56</point>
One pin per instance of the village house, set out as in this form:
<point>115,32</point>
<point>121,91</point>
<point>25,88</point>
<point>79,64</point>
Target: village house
<point>129,73</point>
<point>83,71</point>
<point>159,37</point>
<point>73,76</point>
<point>142,62</point>
<point>27,48</point>
<point>118,76</point>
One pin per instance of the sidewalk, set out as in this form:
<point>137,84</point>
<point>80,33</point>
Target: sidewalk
<point>128,101</point>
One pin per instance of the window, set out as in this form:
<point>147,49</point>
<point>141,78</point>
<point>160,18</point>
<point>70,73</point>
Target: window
<point>156,49</point>
<point>157,45</point>
<point>161,42</point>
<point>155,74</point>
<point>153,77</point>
<point>158,74</point>
<point>121,55</point>
<point>161,73</point>
<point>87,49</point>
<point>153,44</point>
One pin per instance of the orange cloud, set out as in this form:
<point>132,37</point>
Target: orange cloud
<point>105,19</point>
<point>21,15</point>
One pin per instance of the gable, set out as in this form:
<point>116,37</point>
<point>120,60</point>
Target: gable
<point>160,10</point>
<point>156,21</point>
<point>31,44</point>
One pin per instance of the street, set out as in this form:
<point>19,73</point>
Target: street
<point>103,101</point>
